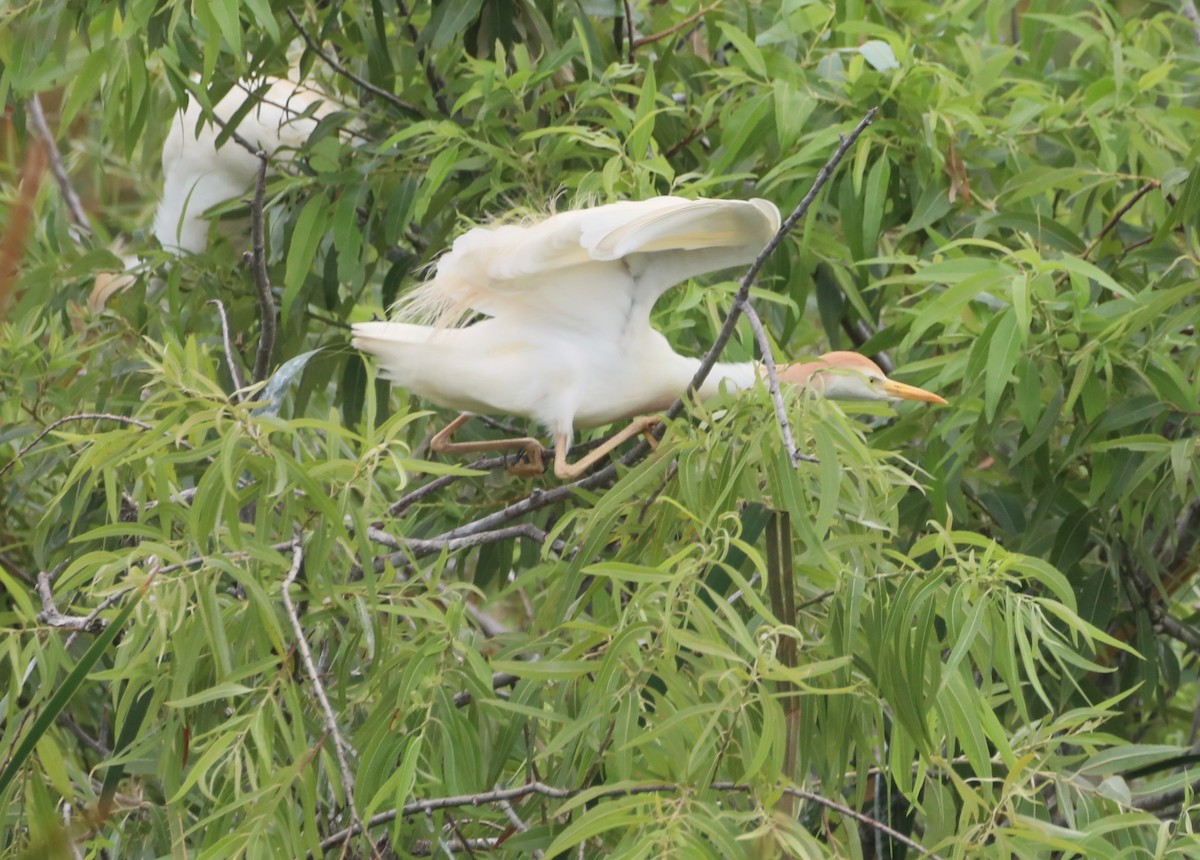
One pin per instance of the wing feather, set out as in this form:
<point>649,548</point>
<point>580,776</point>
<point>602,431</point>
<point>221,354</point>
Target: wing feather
<point>587,266</point>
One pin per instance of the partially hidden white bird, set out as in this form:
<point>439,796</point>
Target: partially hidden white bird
<point>567,341</point>
<point>198,175</point>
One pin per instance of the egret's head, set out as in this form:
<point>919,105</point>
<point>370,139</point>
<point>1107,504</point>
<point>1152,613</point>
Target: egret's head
<point>850,376</point>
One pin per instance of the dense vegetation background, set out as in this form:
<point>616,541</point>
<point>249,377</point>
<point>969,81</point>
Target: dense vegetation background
<point>237,627</point>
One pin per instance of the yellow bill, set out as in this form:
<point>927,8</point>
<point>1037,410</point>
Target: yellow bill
<point>910,392</point>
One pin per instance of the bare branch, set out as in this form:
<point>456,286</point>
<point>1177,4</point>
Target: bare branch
<point>408,548</point>
<point>390,98</point>
<point>860,332</point>
<point>485,464</point>
<point>743,293</point>
<point>539,788</point>
<point>37,118</point>
<point>341,747</point>
<point>234,370</point>
<point>50,614</point>
<point>500,680</point>
<point>1112,222</point>
<point>262,282</point>
<point>764,346</point>
<point>1188,9</point>
<point>682,24</point>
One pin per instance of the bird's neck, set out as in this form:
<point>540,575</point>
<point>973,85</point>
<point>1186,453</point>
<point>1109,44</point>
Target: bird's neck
<point>737,376</point>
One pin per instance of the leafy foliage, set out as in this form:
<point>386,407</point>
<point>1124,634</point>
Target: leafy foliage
<point>988,641</point>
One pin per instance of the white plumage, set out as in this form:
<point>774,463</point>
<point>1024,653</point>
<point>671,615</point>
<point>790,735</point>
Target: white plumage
<point>197,175</point>
<point>567,341</point>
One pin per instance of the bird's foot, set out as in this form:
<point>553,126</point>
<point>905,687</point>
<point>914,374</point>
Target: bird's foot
<point>529,466</point>
<point>647,424</point>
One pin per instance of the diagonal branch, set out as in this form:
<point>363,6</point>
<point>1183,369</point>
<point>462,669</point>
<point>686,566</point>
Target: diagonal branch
<point>37,118</point>
<point>682,24</point>
<point>341,746</point>
<point>234,371</point>
<point>436,82</point>
<point>764,346</point>
<point>390,98</point>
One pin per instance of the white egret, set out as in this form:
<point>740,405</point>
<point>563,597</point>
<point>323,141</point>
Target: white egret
<point>198,175</point>
<point>567,340</point>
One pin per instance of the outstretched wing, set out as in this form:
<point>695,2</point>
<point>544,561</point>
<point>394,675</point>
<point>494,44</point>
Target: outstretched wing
<point>591,267</point>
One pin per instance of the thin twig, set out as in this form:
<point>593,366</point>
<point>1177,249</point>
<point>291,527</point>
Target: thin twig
<point>860,332</point>
<point>262,282</point>
<point>411,498</point>
<point>437,84</point>
<point>418,547</point>
<point>234,370</point>
<point>1188,10</point>
<point>675,28</point>
<point>390,98</point>
<point>1112,222</point>
<point>629,31</point>
<point>542,789</point>
<point>341,746</point>
<point>37,118</point>
<point>768,360</point>
<point>50,614</point>
<point>500,680</point>
<point>83,416</point>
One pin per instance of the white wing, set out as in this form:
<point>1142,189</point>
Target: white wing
<point>591,268</point>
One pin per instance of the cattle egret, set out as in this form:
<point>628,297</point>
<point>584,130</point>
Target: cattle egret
<point>567,340</point>
<point>197,175</point>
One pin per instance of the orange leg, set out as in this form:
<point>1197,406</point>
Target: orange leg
<point>569,471</point>
<point>533,448</point>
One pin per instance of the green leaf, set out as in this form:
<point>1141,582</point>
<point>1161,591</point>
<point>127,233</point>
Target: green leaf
<point>71,685</point>
<point>1002,357</point>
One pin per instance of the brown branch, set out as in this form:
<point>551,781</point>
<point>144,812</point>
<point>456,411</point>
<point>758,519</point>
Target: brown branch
<point>341,746</point>
<point>1112,222</point>
<point>20,219</point>
<point>234,370</point>
<point>390,98</point>
<point>860,332</point>
<point>262,282</point>
<point>785,427</point>
<point>37,118</point>
<point>672,30</point>
<point>543,790</point>
<point>408,548</point>
<point>692,135</point>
